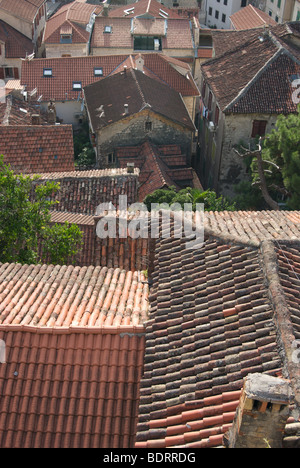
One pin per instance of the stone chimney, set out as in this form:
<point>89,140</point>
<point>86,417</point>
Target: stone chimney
<point>262,413</point>
<point>51,113</point>
<point>140,63</point>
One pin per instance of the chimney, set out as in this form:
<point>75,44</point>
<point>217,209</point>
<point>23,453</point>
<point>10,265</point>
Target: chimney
<point>140,63</point>
<point>125,108</point>
<point>262,413</point>
<point>35,119</point>
<point>125,69</point>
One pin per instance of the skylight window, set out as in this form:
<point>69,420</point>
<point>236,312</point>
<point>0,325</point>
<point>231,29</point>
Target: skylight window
<point>98,71</point>
<point>77,85</point>
<point>47,72</point>
<point>107,29</point>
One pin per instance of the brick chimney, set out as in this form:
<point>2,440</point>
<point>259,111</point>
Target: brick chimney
<point>35,119</point>
<point>262,413</point>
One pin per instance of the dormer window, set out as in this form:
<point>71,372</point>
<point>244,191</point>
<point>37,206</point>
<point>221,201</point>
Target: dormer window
<point>98,71</point>
<point>77,85</point>
<point>107,29</point>
<point>47,72</point>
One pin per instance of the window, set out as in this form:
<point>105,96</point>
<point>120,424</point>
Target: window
<point>147,43</point>
<point>225,2</point>
<point>258,128</point>
<point>243,3</point>
<point>47,72</point>
<point>217,114</point>
<point>278,3</point>
<point>210,11</point>
<point>148,126</point>
<point>298,16</point>
<point>203,89</point>
<point>209,101</point>
<point>223,18</point>
<point>111,158</point>
<point>98,71</point>
<point>76,85</point>
<point>276,19</point>
<point>217,14</point>
<point>270,13</point>
<point>66,38</point>
<point>107,29</point>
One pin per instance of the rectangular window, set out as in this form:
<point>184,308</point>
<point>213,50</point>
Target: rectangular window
<point>278,3</point>
<point>223,18</point>
<point>148,126</point>
<point>147,43</point>
<point>258,128</point>
<point>47,72</point>
<point>225,2</point>
<point>107,29</point>
<point>66,38</point>
<point>210,11</point>
<point>217,14</point>
<point>76,85</point>
<point>298,16</point>
<point>217,115</point>
<point>98,71</point>
<point>209,101</point>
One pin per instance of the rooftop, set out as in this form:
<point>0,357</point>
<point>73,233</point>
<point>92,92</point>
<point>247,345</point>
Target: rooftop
<point>88,70</point>
<point>268,65</point>
<point>139,92</point>
<point>27,9</point>
<point>16,44</point>
<point>37,148</point>
<point>144,8</point>
<point>217,313</point>
<point>251,17</point>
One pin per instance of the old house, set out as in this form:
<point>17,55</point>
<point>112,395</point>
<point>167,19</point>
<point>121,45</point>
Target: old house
<point>129,107</point>
<point>282,10</point>
<point>144,26</point>
<point>67,32</point>
<point>237,107</point>
<point>28,17</point>
<point>13,47</point>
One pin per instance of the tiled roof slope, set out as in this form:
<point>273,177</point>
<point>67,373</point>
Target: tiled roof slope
<point>53,35</point>
<point>69,390</point>
<point>65,70</point>
<point>264,58</point>
<point>26,9</point>
<point>251,17</point>
<point>67,296</point>
<point>82,191</point>
<point>178,34</point>
<point>37,148</point>
<point>16,44</point>
<point>148,8</point>
<point>139,92</point>
<point>214,318</point>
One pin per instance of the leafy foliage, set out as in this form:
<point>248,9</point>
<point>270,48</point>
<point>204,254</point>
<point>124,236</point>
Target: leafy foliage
<point>170,196</point>
<point>25,219</point>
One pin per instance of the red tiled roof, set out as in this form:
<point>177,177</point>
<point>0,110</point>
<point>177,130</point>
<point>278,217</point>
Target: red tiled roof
<point>69,390</point>
<point>251,17</point>
<point>79,34</point>
<point>37,148</point>
<point>18,112</point>
<point>65,70</point>
<point>178,34</point>
<point>26,9</point>
<point>149,8</point>
<point>71,297</point>
<point>112,93</point>
<point>263,62</point>
<point>16,44</point>
<point>82,191</point>
<point>213,311</point>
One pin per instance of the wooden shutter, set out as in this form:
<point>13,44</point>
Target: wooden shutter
<point>16,73</point>
<point>258,128</point>
<point>1,73</point>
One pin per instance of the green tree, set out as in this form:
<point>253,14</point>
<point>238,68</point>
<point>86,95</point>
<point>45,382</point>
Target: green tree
<point>170,196</point>
<point>25,220</point>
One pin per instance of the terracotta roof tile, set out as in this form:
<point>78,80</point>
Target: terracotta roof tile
<point>27,9</point>
<point>112,92</point>
<point>212,322</point>
<point>16,44</point>
<point>15,111</point>
<point>251,17</point>
<point>66,296</point>
<point>47,148</point>
<point>264,59</point>
<point>82,191</point>
<point>144,7</point>
<point>69,390</point>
